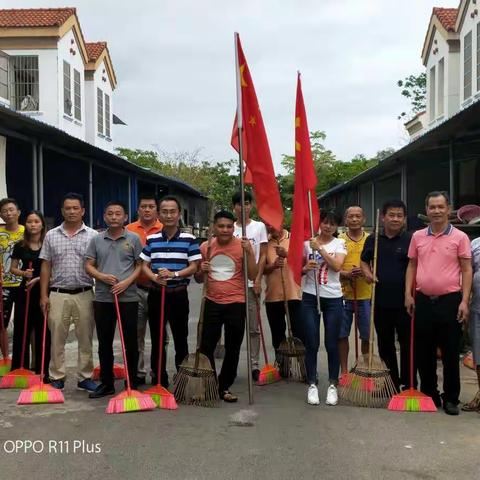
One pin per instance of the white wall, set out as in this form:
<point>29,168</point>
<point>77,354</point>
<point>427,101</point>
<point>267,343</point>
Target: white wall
<point>93,136</point>
<point>69,123</point>
<point>48,83</point>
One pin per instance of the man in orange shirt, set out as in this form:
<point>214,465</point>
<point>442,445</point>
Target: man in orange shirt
<point>225,297</point>
<point>147,224</point>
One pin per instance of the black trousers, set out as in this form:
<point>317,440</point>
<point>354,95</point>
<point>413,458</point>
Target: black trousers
<point>34,324</point>
<point>176,314</point>
<point>9,298</point>
<point>436,326</point>
<point>106,321</point>
<point>276,320</point>
<point>232,315</point>
<point>388,323</point>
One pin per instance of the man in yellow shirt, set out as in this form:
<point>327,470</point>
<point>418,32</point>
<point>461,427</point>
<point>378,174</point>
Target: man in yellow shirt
<point>354,285</point>
<point>10,234</point>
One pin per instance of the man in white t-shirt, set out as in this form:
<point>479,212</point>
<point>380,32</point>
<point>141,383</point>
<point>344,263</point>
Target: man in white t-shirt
<point>257,234</point>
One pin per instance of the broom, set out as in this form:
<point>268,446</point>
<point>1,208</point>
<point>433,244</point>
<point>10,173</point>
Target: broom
<point>21,377</point>
<point>290,359</point>
<point>118,372</point>
<point>41,393</point>
<point>269,373</point>
<point>196,382</point>
<point>411,400</point>
<point>5,362</point>
<point>369,383</point>
<point>129,400</point>
<point>160,395</point>
<point>346,379</point>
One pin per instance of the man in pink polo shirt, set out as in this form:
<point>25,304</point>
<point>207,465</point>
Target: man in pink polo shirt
<point>440,265</point>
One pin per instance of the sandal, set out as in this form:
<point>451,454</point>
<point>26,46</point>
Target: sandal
<point>473,405</point>
<point>228,396</point>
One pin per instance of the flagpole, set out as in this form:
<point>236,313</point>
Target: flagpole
<point>244,218</point>
<point>312,233</point>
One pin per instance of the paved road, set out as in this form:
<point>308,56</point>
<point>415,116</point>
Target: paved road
<point>279,437</point>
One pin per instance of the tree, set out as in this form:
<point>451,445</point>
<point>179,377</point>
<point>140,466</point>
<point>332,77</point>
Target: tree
<point>414,88</point>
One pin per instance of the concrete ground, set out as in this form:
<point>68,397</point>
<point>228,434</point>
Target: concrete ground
<point>279,437</point>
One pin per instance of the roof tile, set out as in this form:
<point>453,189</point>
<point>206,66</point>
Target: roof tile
<point>35,17</point>
<point>447,17</point>
<point>95,49</point>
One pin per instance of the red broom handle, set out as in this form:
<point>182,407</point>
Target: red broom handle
<point>122,341</point>
<point>44,341</point>
<point>25,323</point>
<point>355,312</point>
<point>262,337</point>
<point>412,327</point>
<point>3,332</point>
<point>162,326</point>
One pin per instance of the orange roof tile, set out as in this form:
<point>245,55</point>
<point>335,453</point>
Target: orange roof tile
<point>95,49</point>
<point>447,17</point>
<point>35,17</point>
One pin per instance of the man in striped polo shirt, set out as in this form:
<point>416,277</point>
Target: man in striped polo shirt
<point>169,257</point>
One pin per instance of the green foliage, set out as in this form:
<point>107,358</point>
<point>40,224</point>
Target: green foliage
<point>414,87</point>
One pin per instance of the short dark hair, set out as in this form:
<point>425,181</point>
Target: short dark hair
<point>148,196</point>
<point>117,203</point>
<point>437,193</point>
<point>6,201</point>
<point>394,203</point>
<point>170,198</point>
<point>73,196</point>
<point>224,214</point>
<point>237,197</point>
<point>330,216</point>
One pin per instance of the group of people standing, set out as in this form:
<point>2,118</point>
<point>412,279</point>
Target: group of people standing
<point>77,275</point>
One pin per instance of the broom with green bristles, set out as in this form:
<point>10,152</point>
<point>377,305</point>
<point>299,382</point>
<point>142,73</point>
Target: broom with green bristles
<point>41,393</point>
<point>5,362</point>
<point>411,400</point>
<point>129,400</point>
<point>268,374</point>
<point>160,395</point>
<point>21,377</point>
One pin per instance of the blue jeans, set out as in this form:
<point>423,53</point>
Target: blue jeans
<point>332,312</point>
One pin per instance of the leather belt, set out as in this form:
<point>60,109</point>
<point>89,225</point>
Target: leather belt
<point>73,291</point>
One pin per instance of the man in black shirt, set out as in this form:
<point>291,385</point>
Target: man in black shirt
<point>390,314</point>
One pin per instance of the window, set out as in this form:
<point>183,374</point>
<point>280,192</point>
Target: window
<point>67,89</point>
<point>432,94</point>
<point>3,76</point>
<point>24,78</point>
<point>441,87</point>
<point>99,111</point>
<point>478,56</point>
<point>467,65</point>
<point>77,95</point>
<point>107,116</point>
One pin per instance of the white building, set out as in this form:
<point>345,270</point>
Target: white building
<point>54,75</point>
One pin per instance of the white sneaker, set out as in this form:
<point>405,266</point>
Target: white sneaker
<point>312,396</point>
<point>332,395</point>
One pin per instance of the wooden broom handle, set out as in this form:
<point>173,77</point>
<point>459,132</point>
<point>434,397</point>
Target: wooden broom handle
<point>372,308</point>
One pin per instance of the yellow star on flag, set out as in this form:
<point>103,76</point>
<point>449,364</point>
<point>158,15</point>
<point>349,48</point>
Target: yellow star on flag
<point>252,121</point>
<point>298,147</point>
<point>243,83</point>
<point>297,122</point>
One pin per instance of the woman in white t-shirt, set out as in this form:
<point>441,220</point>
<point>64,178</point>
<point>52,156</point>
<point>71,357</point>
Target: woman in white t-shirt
<point>323,256</point>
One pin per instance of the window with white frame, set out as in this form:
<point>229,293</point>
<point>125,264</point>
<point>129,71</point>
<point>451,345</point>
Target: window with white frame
<point>441,87</point>
<point>25,82</point>
<point>77,95</point>
<point>432,93</point>
<point>99,111</point>
<point>467,65</point>
<point>67,89</point>
<point>478,56</point>
<point>107,116</point>
<point>3,75</point>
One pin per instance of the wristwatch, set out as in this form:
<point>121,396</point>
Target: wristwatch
<point>176,275</point>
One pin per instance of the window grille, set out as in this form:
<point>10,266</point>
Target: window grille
<point>99,111</point>
<point>3,75</point>
<point>67,89</point>
<point>77,95</point>
<point>107,116</point>
<point>467,66</point>
<point>24,81</point>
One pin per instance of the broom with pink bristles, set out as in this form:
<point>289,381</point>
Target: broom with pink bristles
<point>160,395</point>
<point>5,362</point>
<point>41,393</point>
<point>411,400</point>
<point>21,377</point>
<point>268,374</point>
<point>129,400</point>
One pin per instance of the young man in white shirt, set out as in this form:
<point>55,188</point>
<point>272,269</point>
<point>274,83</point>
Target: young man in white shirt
<point>257,234</point>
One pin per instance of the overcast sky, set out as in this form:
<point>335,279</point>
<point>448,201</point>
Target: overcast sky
<point>174,62</point>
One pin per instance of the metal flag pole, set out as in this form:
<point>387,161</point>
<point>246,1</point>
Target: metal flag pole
<point>312,234</point>
<point>244,227</point>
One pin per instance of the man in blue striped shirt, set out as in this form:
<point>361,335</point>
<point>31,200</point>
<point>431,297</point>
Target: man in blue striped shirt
<point>169,257</point>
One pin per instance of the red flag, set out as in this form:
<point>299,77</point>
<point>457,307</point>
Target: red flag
<point>255,152</point>
<point>305,181</point>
